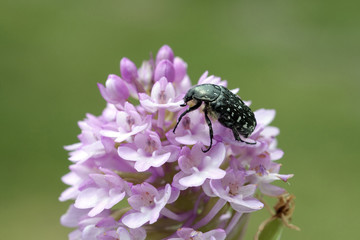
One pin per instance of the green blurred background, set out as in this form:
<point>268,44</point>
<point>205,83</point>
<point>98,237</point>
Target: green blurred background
<point>298,57</point>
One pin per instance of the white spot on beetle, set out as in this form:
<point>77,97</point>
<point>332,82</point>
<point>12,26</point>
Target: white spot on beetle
<point>228,109</point>
<point>239,118</point>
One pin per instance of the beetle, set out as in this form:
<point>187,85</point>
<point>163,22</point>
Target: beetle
<point>223,105</point>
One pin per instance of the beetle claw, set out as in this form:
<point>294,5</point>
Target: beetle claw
<point>206,150</point>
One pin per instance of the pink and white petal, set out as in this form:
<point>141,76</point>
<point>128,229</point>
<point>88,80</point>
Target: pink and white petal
<point>264,116</point>
<point>115,196</point>
<point>155,161</point>
<point>217,189</point>
<point>148,105</point>
<point>79,155</point>
<point>72,216</point>
<point>129,154</point>
<point>69,193</point>
<point>176,180</point>
<point>217,234</point>
<point>89,197</point>
<point>99,180</point>
<point>247,190</point>
<point>248,205</point>
<point>100,206</point>
<point>207,188</point>
<point>187,139</point>
<point>270,131</point>
<point>175,193</point>
<point>136,219</point>
<point>91,232</point>
<point>135,130</point>
<point>111,133</point>
<point>73,147</point>
<point>75,235</point>
<point>217,154</point>
<point>213,173</point>
<point>285,177</point>
<point>123,234</point>
<point>271,190</point>
<point>235,91</point>
<point>193,180</point>
<point>276,154</point>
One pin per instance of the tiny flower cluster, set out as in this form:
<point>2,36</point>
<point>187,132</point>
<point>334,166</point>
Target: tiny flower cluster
<point>133,178</point>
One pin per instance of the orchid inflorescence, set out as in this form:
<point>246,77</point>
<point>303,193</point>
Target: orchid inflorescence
<point>133,178</point>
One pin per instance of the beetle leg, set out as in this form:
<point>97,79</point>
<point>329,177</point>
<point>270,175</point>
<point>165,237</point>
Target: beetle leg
<point>196,106</point>
<point>237,137</point>
<point>210,130</point>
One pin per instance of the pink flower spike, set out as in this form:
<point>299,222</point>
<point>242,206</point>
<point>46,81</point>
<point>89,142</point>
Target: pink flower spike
<point>131,151</point>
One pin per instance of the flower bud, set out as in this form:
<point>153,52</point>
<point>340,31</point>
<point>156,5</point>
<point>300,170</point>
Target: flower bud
<point>165,69</point>
<point>128,70</point>
<point>115,90</point>
<point>180,69</point>
<point>165,52</point>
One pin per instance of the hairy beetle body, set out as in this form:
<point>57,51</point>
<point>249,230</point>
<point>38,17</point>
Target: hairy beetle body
<point>223,105</point>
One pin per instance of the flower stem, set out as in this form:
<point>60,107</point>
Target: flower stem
<point>177,217</point>
<point>161,118</point>
<point>217,207</point>
<point>233,222</point>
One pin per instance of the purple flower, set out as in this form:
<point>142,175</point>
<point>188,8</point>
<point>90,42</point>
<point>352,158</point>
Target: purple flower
<point>192,129</point>
<point>103,191</point>
<point>116,91</point>
<point>232,189</point>
<point>162,97</point>
<point>146,151</point>
<point>147,202</point>
<point>197,166</point>
<point>90,145</point>
<point>128,123</point>
<point>79,174</point>
<point>132,178</point>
